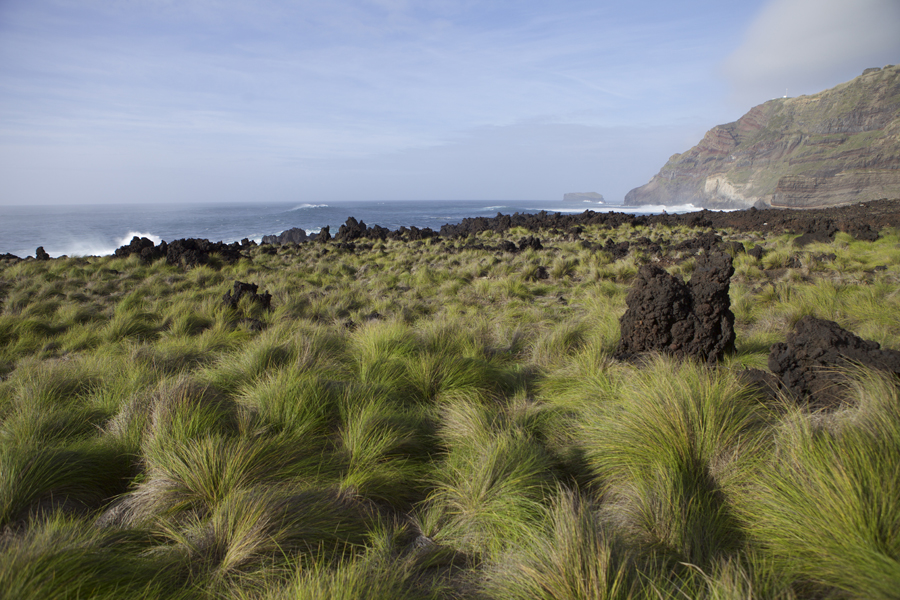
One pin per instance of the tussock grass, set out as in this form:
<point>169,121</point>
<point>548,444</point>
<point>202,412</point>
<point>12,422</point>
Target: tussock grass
<point>386,448</point>
<point>251,531</point>
<point>570,557</point>
<point>62,556</point>
<point>666,449</point>
<point>490,484</point>
<point>433,420</point>
<point>38,480</point>
<point>825,505</point>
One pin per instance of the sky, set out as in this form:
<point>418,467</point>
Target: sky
<point>161,101</point>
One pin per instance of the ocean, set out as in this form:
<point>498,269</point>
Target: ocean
<point>97,230</point>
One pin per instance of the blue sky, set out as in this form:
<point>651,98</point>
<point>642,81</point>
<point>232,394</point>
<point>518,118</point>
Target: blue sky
<point>262,100</point>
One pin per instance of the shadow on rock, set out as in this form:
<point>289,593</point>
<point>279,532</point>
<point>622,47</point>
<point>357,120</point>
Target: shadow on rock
<point>688,320</point>
<point>809,363</point>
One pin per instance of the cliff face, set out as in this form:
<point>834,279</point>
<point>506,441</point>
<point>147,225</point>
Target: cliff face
<point>835,147</point>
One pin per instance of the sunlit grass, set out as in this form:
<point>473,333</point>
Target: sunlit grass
<point>434,420</point>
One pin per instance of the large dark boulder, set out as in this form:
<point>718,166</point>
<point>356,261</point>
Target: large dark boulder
<point>294,235</point>
<point>246,290</point>
<point>808,363</point>
<point>191,252</point>
<point>667,315</point>
<point>323,236</point>
<point>351,230</point>
<point>41,254</point>
<point>530,242</point>
<point>142,246</point>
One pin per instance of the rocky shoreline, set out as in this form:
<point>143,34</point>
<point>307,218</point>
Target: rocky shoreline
<point>861,220</point>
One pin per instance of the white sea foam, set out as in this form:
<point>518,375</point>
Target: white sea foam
<point>91,247</point>
<point>645,209</point>
<point>306,206</point>
<point>95,246</point>
<point>126,239</point>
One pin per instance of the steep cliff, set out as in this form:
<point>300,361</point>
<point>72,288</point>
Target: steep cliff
<point>835,147</point>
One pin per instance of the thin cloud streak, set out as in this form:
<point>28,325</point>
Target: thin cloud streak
<point>356,99</point>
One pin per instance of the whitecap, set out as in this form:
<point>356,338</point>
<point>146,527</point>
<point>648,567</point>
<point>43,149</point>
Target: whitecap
<point>81,248</point>
<point>126,239</point>
<point>306,206</point>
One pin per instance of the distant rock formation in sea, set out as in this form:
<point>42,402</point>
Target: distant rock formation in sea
<point>583,197</point>
<point>836,147</point>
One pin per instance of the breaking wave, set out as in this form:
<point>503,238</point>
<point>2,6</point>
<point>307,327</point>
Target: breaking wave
<point>95,246</point>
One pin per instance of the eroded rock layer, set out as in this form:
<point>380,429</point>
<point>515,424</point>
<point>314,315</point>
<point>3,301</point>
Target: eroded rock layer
<point>835,147</point>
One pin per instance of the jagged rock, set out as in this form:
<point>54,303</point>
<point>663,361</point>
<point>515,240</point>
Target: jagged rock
<point>808,362</point>
<point>530,242</point>
<point>816,230</point>
<point>617,250</point>
<point>142,246</point>
<point>764,382</point>
<point>757,252</point>
<point>294,235</point>
<point>667,315</point>
<point>707,242</point>
<point>412,234</point>
<point>323,236</point>
<point>246,290</point>
<point>734,248</point>
<point>191,252</point>
<point>41,254</point>
<point>351,230</point>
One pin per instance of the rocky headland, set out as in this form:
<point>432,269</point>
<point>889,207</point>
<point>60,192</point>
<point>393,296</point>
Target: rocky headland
<point>836,147</point>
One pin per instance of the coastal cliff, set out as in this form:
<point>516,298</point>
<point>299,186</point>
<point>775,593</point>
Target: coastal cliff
<point>839,146</point>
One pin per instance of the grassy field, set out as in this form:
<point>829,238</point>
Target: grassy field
<point>431,420</point>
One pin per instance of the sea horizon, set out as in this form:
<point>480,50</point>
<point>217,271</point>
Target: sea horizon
<point>98,229</point>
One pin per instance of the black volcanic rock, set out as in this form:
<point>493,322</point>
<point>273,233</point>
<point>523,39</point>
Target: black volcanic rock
<point>351,230</point>
<point>191,252</point>
<point>324,235</point>
<point>143,247</point>
<point>667,315</point>
<point>530,242</point>
<point>294,235</point>
<point>246,290</point>
<point>41,254</point>
<point>807,362</point>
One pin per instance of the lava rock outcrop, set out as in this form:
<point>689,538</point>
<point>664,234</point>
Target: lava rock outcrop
<point>667,315</point>
<point>809,362</point>
<point>247,290</point>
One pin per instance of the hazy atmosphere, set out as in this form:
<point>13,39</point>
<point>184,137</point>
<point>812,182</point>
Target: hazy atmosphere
<point>239,100</point>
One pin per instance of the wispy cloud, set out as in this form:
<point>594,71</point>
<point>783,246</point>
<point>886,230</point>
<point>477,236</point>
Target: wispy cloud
<point>323,94</point>
<point>804,46</point>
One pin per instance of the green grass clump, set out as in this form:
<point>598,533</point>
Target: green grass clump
<point>434,420</point>
<point>666,448</point>
<point>825,504</point>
